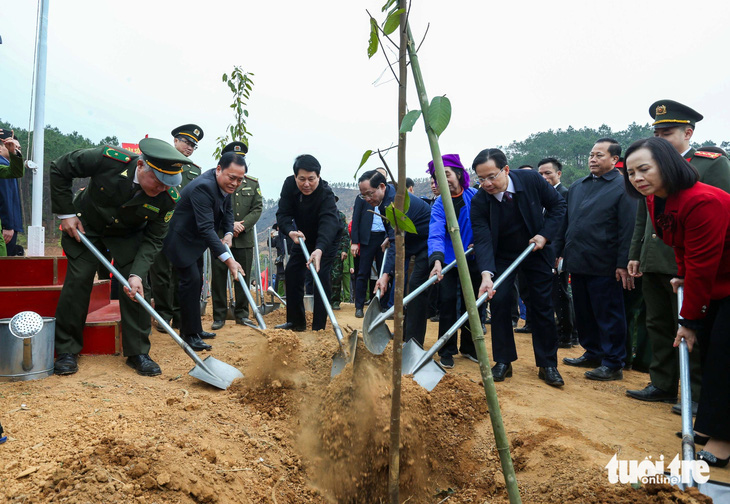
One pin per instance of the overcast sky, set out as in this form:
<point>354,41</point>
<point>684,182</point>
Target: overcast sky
<point>510,68</point>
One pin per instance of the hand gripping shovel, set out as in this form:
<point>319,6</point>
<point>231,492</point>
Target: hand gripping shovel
<point>346,354</point>
<point>211,370</point>
<point>374,331</point>
<point>420,364</point>
<point>249,297</point>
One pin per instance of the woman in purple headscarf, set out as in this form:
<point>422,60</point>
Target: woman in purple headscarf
<point>441,253</point>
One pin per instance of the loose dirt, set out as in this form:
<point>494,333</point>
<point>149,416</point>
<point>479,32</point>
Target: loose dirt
<point>286,433</point>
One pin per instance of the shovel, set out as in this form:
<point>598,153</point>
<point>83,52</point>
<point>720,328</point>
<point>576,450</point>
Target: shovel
<point>374,331</point>
<point>211,370</point>
<point>688,436</point>
<point>346,354</point>
<point>205,290</point>
<point>231,315</point>
<point>274,293</point>
<point>420,363</point>
<point>249,297</point>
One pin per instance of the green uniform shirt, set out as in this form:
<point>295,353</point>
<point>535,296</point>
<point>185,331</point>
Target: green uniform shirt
<point>111,205</point>
<point>15,169</point>
<point>189,172</point>
<point>247,207</point>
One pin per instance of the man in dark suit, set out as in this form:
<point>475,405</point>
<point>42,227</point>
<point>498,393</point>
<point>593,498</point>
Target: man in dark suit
<point>506,216</point>
<point>204,209</point>
<point>551,170</point>
<point>379,194</point>
<point>10,213</point>
<point>307,209</point>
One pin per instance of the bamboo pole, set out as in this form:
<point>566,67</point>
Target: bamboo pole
<point>500,435</point>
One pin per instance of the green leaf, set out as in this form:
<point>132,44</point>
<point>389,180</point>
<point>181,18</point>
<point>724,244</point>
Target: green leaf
<point>365,157</point>
<point>392,22</point>
<point>409,120</point>
<point>387,5</point>
<point>399,220</point>
<point>407,202</point>
<point>439,114</point>
<point>373,44</point>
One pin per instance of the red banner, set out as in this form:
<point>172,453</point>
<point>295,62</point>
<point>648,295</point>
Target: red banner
<point>131,147</point>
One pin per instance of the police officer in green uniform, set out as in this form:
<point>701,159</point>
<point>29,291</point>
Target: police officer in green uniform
<point>247,207</point>
<point>10,150</point>
<point>654,261</point>
<point>162,275</point>
<point>338,267</point>
<point>125,208</point>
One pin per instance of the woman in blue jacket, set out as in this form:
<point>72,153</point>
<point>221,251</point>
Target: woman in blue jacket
<point>441,253</point>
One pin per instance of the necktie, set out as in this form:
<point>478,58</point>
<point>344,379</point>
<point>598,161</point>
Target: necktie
<point>507,197</point>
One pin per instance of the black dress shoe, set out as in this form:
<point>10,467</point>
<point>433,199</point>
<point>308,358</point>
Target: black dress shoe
<point>245,321</point>
<point>551,376</point>
<point>217,324</point>
<point>712,460</point>
<point>677,408</point>
<point>65,364</point>
<point>144,365</point>
<point>582,361</point>
<point>159,327</point>
<point>500,371</point>
<point>526,329</point>
<point>196,343</point>
<point>206,335</point>
<point>650,393</point>
<point>605,373</point>
<point>290,326</point>
<point>359,313</point>
<point>699,438</point>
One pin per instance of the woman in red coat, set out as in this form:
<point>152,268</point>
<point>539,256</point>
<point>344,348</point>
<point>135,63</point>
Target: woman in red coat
<point>694,219</point>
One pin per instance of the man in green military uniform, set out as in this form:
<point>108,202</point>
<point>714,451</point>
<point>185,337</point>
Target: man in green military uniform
<point>338,268</point>
<point>10,150</point>
<point>125,208</point>
<point>247,207</point>
<point>162,275</point>
<point>651,259</point>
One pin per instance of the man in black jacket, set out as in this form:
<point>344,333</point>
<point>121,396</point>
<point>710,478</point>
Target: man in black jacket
<point>307,209</point>
<point>506,216</point>
<point>375,191</point>
<point>203,210</point>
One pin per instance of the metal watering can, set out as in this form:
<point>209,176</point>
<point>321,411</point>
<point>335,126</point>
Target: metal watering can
<point>26,347</point>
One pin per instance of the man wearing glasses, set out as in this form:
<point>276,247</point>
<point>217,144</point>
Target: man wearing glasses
<point>307,209</point>
<point>506,216</point>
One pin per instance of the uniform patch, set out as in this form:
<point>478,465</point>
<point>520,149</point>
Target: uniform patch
<point>174,194</point>
<point>150,207</point>
<point>258,191</point>
<point>705,154</point>
<point>116,155</point>
<point>168,215</point>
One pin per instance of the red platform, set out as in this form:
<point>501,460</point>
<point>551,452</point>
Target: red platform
<point>34,283</point>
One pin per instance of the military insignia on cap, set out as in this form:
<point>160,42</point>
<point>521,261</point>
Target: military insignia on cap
<point>661,110</point>
<point>196,131</point>
<point>116,155</point>
<point>168,215</point>
<point>237,148</point>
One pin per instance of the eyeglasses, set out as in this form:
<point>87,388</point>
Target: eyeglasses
<point>490,178</point>
<point>366,196</point>
<point>188,142</point>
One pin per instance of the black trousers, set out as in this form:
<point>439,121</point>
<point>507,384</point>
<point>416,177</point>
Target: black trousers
<point>368,252</point>
<point>416,312</point>
<point>295,275</point>
<point>188,290</point>
<point>451,297</point>
<point>538,273</point>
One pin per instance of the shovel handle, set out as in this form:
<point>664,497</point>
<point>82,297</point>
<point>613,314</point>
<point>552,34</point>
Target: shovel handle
<point>248,295</point>
<point>142,301</point>
<point>325,301</point>
<point>382,270</point>
<point>452,330</point>
<point>688,445</point>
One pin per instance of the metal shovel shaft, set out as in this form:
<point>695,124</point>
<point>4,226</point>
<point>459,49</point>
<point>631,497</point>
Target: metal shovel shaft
<point>248,295</point>
<point>142,301</point>
<point>410,297</point>
<point>688,442</point>
<point>465,316</point>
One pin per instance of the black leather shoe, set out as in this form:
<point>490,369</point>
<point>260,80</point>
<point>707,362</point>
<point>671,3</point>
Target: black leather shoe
<point>217,324</point>
<point>500,371</point>
<point>582,361</point>
<point>159,327</point>
<point>65,364</point>
<point>712,460</point>
<point>650,393</point>
<point>551,376</point>
<point>290,326</point>
<point>526,329</point>
<point>605,373</point>
<point>196,343</point>
<point>144,365</point>
<point>206,335</point>
<point>699,438</point>
<point>677,408</point>
<point>359,313</point>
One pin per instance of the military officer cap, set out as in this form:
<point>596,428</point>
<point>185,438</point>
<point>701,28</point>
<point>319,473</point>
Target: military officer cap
<point>164,159</point>
<point>4,133</point>
<point>236,147</point>
<point>669,114</point>
<point>192,132</point>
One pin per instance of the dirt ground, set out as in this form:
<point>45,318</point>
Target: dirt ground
<point>286,433</point>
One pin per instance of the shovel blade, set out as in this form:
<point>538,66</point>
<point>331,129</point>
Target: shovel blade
<point>216,373</point>
<point>268,308</point>
<point>429,375</point>
<point>376,338</point>
<point>340,360</point>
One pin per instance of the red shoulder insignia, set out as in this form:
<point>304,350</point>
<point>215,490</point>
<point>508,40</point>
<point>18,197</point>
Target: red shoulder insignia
<point>705,154</point>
